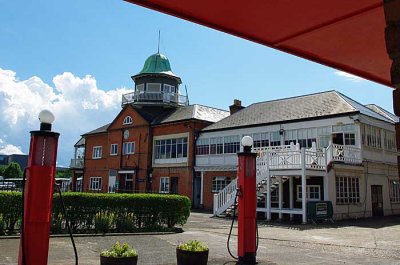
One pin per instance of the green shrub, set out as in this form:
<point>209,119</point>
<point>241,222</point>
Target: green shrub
<point>119,251</point>
<point>193,245</point>
<point>105,212</point>
<point>102,223</point>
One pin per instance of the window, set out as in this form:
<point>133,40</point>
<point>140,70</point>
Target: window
<point>171,148</point>
<point>313,193</point>
<point>128,182</point>
<point>203,147</point>
<point>168,88</point>
<point>95,183</point>
<point>140,88</point>
<point>371,136</point>
<point>128,148</point>
<point>219,183</point>
<point>347,190</point>
<point>231,144</point>
<point>324,136</point>
<point>114,149</point>
<point>390,141</point>
<point>394,191</point>
<point>275,139</point>
<point>261,139</point>
<point>153,87</point>
<point>216,145</point>
<point>96,152</point>
<point>349,139</point>
<point>290,137</point>
<point>127,120</point>
<point>164,185</point>
<point>306,137</point>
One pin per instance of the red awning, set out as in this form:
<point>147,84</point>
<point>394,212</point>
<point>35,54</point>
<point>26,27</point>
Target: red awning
<point>344,34</point>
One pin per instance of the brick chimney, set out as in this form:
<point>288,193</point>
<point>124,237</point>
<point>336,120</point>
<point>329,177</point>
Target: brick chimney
<point>237,105</point>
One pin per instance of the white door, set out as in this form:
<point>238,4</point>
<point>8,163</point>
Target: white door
<point>111,184</point>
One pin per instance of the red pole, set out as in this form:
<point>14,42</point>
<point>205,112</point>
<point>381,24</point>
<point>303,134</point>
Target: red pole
<point>247,203</point>
<point>38,198</point>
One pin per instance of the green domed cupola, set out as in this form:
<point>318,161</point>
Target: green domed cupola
<point>157,64</point>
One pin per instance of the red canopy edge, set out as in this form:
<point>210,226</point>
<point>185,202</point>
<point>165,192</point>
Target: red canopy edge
<point>378,63</point>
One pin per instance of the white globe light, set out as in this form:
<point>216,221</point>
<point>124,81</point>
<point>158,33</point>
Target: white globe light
<point>45,116</point>
<point>247,141</point>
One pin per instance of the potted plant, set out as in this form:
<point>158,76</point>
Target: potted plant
<point>192,252</point>
<point>119,255</point>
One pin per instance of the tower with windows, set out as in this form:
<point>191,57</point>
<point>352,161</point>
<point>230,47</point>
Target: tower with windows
<point>156,85</point>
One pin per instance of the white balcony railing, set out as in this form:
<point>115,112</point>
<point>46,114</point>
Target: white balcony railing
<point>76,163</point>
<point>343,153</point>
<point>154,97</point>
<point>286,158</point>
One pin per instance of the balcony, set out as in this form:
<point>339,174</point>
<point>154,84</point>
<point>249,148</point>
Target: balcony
<point>76,163</point>
<point>144,97</point>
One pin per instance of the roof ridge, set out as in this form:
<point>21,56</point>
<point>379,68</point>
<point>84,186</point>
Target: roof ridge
<point>210,107</point>
<point>294,97</point>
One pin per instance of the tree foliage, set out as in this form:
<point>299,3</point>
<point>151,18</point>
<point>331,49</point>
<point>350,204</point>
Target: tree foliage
<point>13,170</point>
<point>2,169</point>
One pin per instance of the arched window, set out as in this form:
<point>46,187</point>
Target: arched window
<point>127,120</point>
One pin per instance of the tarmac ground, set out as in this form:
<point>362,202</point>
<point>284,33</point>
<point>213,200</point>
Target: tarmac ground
<point>366,241</point>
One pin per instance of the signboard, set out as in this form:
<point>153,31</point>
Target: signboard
<point>141,180</point>
<point>321,209</point>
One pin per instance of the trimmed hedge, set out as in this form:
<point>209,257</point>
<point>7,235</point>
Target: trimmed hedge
<point>102,212</point>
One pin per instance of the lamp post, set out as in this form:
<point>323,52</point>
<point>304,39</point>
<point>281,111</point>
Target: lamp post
<point>247,203</point>
<point>38,198</point>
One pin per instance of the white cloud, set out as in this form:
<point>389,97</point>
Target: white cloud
<point>10,149</point>
<point>349,77</point>
<point>77,103</point>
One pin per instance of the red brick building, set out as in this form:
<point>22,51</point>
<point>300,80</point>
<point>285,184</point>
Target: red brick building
<point>150,145</point>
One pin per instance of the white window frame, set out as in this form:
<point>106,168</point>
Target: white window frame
<point>394,191</point>
<point>140,88</point>
<point>128,148</point>
<point>113,149</point>
<point>97,152</point>
<point>347,190</point>
<point>95,183</point>
<point>308,193</point>
<point>219,183</point>
<point>164,184</point>
<point>164,148</point>
<point>127,120</point>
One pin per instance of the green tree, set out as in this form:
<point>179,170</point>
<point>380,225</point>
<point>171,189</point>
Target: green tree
<point>2,169</point>
<point>63,173</point>
<point>13,170</point>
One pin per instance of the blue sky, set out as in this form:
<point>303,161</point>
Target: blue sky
<point>76,58</point>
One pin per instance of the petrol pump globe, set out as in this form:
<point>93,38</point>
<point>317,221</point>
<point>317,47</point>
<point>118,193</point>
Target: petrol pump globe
<point>247,143</point>
<point>46,118</point>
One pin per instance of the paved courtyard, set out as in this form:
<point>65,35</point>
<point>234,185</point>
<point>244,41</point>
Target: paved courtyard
<point>371,241</point>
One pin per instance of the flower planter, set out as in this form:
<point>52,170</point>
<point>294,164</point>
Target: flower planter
<point>118,261</point>
<point>185,257</point>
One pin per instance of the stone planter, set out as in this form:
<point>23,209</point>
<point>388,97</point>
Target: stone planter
<point>185,257</point>
<point>118,261</point>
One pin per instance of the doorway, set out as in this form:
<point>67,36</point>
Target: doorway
<point>196,192</point>
<point>377,200</point>
<point>174,185</point>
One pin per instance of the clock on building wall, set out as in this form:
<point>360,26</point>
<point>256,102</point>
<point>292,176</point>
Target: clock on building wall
<point>126,134</point>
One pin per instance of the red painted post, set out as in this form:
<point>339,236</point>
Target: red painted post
<point>247,203</point>
<point>38,199</point>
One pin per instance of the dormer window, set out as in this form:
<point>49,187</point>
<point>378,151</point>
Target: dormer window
<point>127,120</point>
<point>153,87</point>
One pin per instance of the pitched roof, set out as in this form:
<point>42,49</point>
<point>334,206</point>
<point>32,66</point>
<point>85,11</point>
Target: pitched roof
<point>198,112</point>
<point>101,129</point>
<point>311,106</point>
<point>383,112</point>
